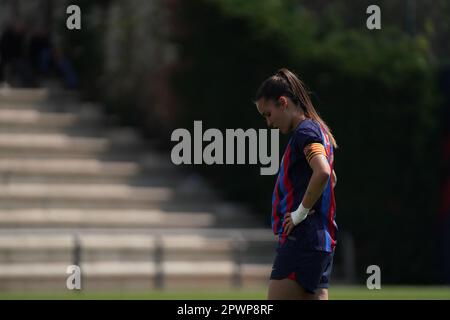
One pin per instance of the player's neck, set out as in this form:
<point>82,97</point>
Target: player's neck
<point>298,118</point>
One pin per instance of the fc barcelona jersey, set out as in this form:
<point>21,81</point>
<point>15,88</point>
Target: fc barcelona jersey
<point>319,230</point>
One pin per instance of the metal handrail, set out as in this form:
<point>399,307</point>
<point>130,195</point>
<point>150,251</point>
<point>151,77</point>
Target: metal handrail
<point>239,240</point>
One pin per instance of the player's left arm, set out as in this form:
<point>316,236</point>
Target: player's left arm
<point>319,179</point>
<point>334,179</point>
<point>316,157</point>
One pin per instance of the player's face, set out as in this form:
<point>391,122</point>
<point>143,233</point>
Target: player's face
<point>275,115</point>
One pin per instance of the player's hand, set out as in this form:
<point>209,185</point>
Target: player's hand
<point>289,224</point>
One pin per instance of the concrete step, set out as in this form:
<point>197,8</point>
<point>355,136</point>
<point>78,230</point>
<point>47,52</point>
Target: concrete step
<point>206,218</point>
<point>58,146</point>
<point>73,218</point>
<point>77,130</point>
<point>64,144</point>
<point>83,193</point>
<point>29,117</point>
<point>170,244</point>
<point>133,276</point>
<point>105,204</point>
<point>158,179</point>
<point>67,167</point>
<point>111,241</point>
<point>118,261</point>
<point>34,122</point>
<point>23,96</point>
<point>26,97</point>
<point>104,248</point>
<point>98,246</point>
<point>88,151</point>
<point>108,196</point>
<point>151,170</point>
<point>225,215</point>
<point>28,144</point>
<point>77,123</point>
<point>53,114</point>
<point>64,171</point>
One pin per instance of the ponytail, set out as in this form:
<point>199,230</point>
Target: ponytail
<point>287,83</point>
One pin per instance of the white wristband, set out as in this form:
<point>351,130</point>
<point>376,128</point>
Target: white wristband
<point>299,215</point>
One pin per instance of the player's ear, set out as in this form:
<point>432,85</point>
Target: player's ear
<point>282,101</point>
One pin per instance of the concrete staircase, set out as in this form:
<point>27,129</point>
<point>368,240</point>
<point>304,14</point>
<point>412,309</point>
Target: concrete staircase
<point>77,189</point>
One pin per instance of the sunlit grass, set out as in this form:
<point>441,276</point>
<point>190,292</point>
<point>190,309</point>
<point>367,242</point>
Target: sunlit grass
<point>336,293</point>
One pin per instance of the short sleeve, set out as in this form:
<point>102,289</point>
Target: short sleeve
<point>305,136</point>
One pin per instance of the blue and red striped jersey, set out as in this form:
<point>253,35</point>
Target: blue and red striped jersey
<point>319,230</point>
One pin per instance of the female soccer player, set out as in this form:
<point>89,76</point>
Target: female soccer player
<point>303,204</point>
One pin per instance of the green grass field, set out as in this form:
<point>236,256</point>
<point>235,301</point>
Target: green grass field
<point>336,293</point>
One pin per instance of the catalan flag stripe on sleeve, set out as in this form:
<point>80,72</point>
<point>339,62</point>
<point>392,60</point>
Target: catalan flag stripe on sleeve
<point>314,149</point>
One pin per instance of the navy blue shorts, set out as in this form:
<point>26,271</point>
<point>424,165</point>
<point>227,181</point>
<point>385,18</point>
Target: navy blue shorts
<point>310,268</point>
